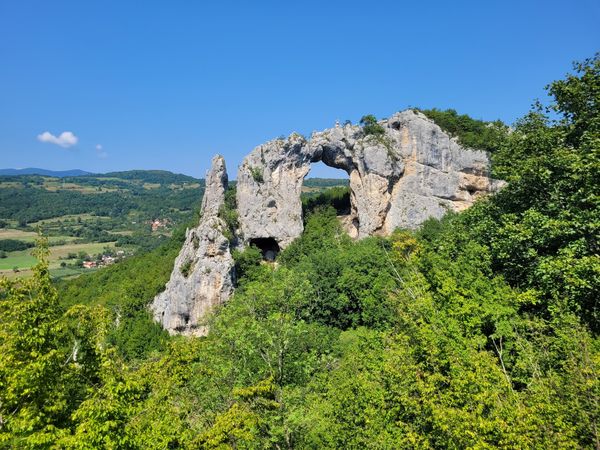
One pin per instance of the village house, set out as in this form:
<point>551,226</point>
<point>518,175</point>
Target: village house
<point>158,223</point>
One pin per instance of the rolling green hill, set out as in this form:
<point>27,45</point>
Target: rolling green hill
<point>115,209</point>
<point>93,212</point>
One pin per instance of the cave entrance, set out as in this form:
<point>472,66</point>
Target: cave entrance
<point>267,246</point>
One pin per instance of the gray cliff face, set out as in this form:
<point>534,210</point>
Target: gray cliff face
<point>439,175</point>
<point>269,185</point>
<point>203,273</point>
<point>412,172</point>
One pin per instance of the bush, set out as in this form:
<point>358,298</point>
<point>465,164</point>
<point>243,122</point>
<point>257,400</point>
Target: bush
<point>247,262</point>
<point>257,174</point>
<point>14,245</point>
<point>186,268</point>
<point>370,126</point>
<point>471,133</point>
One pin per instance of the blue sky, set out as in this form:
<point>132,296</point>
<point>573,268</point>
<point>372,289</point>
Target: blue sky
<point>166,85</point>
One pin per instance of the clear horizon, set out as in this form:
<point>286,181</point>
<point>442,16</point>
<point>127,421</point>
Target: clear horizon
<point>114,86</point>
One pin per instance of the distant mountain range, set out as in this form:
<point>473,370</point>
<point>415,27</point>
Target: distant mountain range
<point>45,172</point>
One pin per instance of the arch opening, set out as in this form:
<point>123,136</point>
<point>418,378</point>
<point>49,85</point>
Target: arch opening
<point>329,186</point>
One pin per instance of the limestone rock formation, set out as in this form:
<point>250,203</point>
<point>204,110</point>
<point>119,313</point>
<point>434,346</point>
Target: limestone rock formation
<point>411,170</point>
<point>204,270</point>
<point>439,175</point>
<point>269,184</point>
<point>400,178</point>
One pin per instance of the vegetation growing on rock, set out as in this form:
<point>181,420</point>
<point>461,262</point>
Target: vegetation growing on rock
<point>471,133</point>
<point>228,212</point>
<point>370,125</point>
<point>257,174</point>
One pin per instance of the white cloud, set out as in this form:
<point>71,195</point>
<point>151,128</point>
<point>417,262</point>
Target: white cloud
<point>66,139</point>
<point>100,152</point>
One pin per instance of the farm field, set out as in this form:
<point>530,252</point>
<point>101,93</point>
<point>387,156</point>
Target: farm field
<point>30,236</point>
<point>55,273</point>
<point>23,260</point>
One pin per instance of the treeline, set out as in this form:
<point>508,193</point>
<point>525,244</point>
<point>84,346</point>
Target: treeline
<point>325,182</point>
<point>151,176</point>
<point>14,245</point>
<point>477,331</point>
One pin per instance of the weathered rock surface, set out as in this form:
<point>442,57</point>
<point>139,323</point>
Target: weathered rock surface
<point>204,270</point>
<point>269,184</point>
<point>439,175</point>
<point>399,179</point>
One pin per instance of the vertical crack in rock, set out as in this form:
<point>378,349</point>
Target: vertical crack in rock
<point>203,273</point>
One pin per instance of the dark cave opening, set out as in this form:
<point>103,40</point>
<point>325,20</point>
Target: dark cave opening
<point>267,246</point>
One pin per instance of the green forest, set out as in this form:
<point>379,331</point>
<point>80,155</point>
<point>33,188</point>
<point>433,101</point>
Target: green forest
<point>476,331</point>
<point>30,198</point>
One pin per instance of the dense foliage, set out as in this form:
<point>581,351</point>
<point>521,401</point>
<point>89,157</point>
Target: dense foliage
<point>49,359</point>
<point>14,245</point>
<point>125,289</point>
<point>338,197</point>
<point>543,228</point>
<point>471,133</point>
<point>477,331</point>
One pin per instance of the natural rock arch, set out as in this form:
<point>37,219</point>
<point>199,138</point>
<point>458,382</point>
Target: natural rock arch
<point>399,179</point>
<point>411,172</point>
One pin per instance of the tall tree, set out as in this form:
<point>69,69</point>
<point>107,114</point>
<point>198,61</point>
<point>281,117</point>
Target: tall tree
<point>48,358</point>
